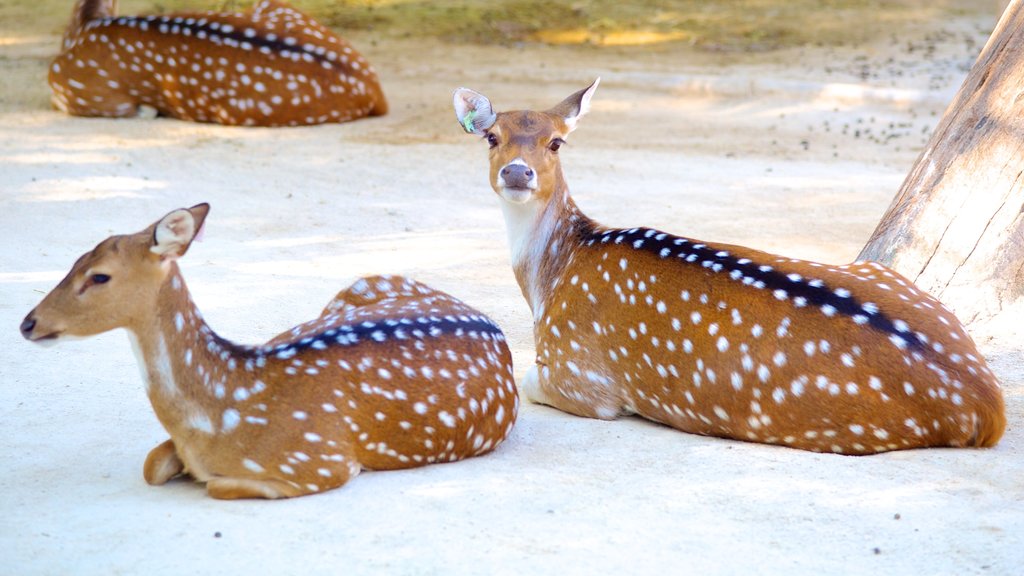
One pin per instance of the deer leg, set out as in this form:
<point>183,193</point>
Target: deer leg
<point>162,464</point>
<point>147,112</point>
<point>602,403</point>
<point>100,102</point>
<point>538,390</point>
<point>227,488</point>
<point>532,390</point>
<point>235,488</point>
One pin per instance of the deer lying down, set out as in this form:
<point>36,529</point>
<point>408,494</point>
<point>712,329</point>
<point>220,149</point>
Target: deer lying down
<point>393,374</point>
<point>269,66</point>
<point>716,339</point>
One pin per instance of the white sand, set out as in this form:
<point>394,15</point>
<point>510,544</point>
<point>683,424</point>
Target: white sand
<point>705,146</point>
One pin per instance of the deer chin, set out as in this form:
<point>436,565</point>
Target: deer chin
<point>49,340</point>
<point>516,195</point>
<point>54,337</point>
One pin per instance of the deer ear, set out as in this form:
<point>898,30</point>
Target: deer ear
<point>174,233</point>
<point>473,111</point>
<point>576,106</point>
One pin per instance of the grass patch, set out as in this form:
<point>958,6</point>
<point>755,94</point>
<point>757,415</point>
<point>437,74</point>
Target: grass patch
<point>722,25</point>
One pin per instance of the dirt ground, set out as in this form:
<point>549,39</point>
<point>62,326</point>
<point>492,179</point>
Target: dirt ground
<point>796,151</point>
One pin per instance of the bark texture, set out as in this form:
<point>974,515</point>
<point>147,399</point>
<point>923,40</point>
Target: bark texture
<point>956,225</point>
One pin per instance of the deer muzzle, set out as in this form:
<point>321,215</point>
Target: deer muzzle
<point>517,176</point>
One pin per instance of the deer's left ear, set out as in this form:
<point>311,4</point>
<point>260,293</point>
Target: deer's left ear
<point>473,111</point>
<point>174,233</point>
<point>576,106</point>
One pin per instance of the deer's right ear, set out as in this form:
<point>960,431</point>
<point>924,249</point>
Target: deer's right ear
<point>174,233</point>
<point>473,111</point>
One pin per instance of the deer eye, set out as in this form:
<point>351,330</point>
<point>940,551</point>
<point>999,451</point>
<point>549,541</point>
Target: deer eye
<point>93,280</point>
<point>555,144</point>
<point>492,140</point>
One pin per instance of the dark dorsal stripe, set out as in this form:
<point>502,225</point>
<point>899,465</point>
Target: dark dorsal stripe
<point>831,300</point>
<point>246,37</point>
<point>394,330</point>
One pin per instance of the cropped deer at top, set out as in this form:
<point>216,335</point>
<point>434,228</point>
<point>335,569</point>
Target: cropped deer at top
<point>269,66</point>
<point>717,339</point>
<point>393,374</point>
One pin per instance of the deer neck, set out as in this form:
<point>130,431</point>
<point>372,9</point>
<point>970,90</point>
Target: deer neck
<point>543,235</point>
<point>188,370</point>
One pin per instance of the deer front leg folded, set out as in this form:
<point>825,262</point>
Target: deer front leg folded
<point>238,488</point>
<point>162,464</point>
<point>592,402</point>
<point>281,482</point>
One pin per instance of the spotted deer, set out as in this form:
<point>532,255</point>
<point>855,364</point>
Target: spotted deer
<point>269,66</point>
<point>393,374</point>
<point>716,339</point>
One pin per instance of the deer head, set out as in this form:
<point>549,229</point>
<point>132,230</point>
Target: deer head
<point>524,144</point>
<point>116,284</point>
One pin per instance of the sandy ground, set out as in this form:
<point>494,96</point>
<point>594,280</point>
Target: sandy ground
<point>797,152</point>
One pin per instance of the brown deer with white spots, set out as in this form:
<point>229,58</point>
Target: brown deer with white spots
<point>717,339</point>
<point>393,374</point>
<point>269,66</point>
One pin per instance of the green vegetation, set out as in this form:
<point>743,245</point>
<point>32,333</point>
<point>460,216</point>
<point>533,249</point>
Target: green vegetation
<point>719,25</point>
<point>732,25</point>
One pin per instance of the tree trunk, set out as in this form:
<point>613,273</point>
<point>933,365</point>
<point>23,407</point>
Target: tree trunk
<point>956,225</point>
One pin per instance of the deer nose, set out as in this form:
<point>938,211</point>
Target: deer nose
<point>517,175</point>
<point>28,325</point>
